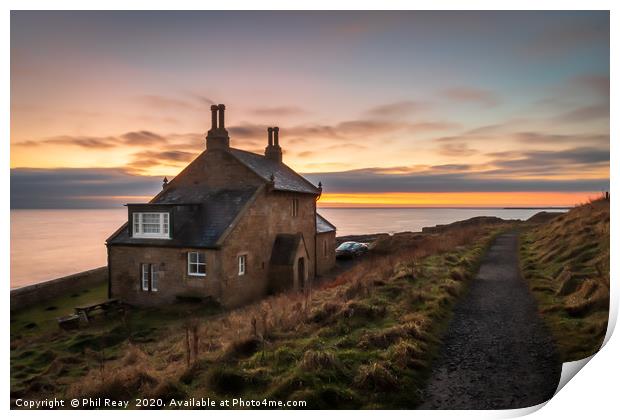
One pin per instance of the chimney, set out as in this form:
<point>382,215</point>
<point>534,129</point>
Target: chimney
<point>217,137</point>
<point>273,151</point>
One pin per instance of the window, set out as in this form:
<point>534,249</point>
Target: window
<point>154,277</point>
<point>149,274</point>
<point>196,264</point>
<point>242,264</point>
<point>145,277</point>
<point>151,225</point>
<point>295,207</point>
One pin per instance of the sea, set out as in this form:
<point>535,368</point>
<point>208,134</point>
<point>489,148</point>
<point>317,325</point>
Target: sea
<point>47,244</point>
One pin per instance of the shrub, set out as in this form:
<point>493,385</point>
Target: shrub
<point>316,360</point>
<point>458,274</point>
<point>363,310</point>
<point>405,354</point>
<point>375,377</point>
<point>226,380</point>
<point>325,312</point>
<point>241,348</point>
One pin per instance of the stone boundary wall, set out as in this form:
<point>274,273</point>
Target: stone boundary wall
<point>39,292</point>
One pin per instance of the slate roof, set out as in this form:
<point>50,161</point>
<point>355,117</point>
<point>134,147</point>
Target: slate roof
<point>323,225</point>
<point>285,248</point>
<point>198,226</point>
<point>286,179</point>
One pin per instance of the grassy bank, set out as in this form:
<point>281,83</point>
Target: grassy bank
<point>566,261</point>
<point>363,340</point>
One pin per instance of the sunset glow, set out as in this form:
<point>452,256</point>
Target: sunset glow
<point>384,109</point>
<point>456,199</point>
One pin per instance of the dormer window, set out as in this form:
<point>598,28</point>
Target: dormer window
<point>151,225</point>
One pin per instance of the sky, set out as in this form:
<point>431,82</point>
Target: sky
<point>400,108</point>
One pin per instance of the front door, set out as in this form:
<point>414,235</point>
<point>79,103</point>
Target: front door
<point>301,273</point>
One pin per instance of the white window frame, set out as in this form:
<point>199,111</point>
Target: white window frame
<point>164,225</point>
<point>242,264</point>
<point>145,276</point>
<point>149,277</point>
<point>197,263</point>
<point>154,277</point>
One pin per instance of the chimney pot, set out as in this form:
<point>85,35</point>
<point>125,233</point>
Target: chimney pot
<point>270,136</point>
<point>217,137</point>
<point>213,117</point>
<point>221,107</point>
<point>276,137</point>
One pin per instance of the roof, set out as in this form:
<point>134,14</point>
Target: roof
<point>200,226</point>
<point>285,248</point>
<point>323,225</point>
<point>285,179</point>
<point>201,215</point>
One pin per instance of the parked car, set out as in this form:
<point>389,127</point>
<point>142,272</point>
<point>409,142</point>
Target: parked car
<point>351,249</point>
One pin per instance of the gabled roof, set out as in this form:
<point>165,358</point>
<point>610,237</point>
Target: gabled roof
<point>199,227</point>
<point>323,225</point>
<point>285,248</point>
<point>285,179</point>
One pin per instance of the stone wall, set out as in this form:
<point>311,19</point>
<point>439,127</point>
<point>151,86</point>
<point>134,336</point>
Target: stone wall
<point>36,293</point>
<point>254,236</point>
<point>173,279</point>
<point>326,252</point>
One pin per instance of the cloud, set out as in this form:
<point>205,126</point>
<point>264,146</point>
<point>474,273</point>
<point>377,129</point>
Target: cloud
<point>248,130</point>
<point>462,94</point>
<point>80,141</point>
<point>345,131</point>
<point>77,188</point>
<point>398,109</point>
<point>544,158</point>
<point>537,138</point>
<point>456,149</point>
<point>168,103</point>
<point>441,180</point>
<point>597,83</point>
<point>145,138</point>
<point>568,37</point>
<point>586,113</point>
<point>572,169</point>
<point>132,138</point>
<point>279,111</point>
<point>565,170</point>
<point>148,158</point>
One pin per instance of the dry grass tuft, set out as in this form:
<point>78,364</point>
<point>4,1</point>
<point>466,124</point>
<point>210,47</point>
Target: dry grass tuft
<point>405,354</point>
<point>317,360</point>
<point>376,377</point>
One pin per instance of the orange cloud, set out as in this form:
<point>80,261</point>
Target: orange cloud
<point>456,199</point>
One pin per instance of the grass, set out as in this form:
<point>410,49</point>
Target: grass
<point>39,318</point>
<point>566,262</point>
<point>364,340</point>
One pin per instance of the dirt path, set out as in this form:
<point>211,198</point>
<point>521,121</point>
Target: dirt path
<point>496,352</point>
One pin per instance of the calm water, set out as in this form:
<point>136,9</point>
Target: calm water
<point>47,244</point>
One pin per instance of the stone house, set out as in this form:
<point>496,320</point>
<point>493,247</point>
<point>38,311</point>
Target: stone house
<point>232,226</point>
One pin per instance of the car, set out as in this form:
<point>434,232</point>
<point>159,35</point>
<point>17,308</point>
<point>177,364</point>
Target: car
<point>351,249</point>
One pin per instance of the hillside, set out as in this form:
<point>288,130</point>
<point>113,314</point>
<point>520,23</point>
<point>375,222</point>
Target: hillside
<point>365,339</point>
<point>565,258</point>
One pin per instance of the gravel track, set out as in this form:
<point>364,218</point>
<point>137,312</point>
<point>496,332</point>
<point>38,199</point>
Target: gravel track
<point>496,352</point>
